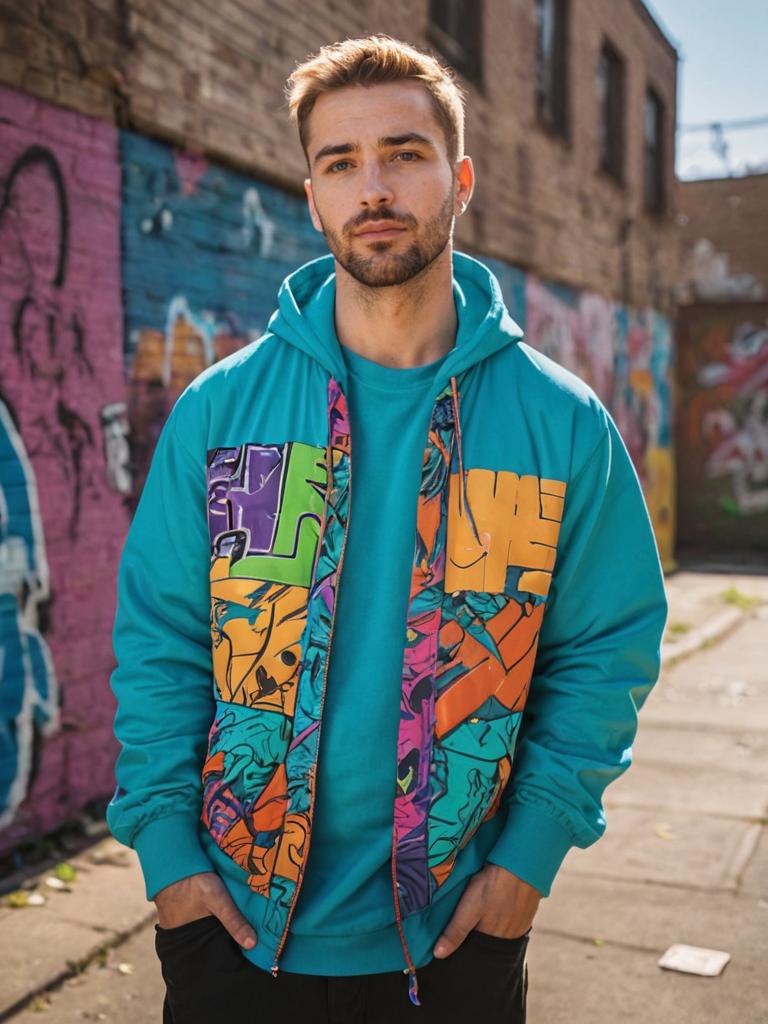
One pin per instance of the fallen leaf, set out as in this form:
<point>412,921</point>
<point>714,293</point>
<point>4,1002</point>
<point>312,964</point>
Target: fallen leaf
<point>17,899</point>
<point>65,872</point>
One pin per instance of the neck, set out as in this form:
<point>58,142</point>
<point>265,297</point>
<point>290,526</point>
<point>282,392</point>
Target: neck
<point>402,325</point>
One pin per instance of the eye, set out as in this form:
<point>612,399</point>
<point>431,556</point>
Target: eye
<point>408,152</point>
<point>333,167</point>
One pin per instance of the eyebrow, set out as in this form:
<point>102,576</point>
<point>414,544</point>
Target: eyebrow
<point>384,142</point>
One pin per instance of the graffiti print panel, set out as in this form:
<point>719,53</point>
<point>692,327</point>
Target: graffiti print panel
<point>265,509</point>
<point>64,472</point>
<point>722,429</point>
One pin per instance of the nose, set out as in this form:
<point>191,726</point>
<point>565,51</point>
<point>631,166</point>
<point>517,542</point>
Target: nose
<point>374,190</point>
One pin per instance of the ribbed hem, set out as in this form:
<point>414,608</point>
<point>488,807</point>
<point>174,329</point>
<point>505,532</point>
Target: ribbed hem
<point>532,846</point>
<point>364,952</point>
<point>169,849</point>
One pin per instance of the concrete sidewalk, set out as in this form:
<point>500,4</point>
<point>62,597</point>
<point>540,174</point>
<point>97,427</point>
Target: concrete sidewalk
<point>682,861</point>
<point>706,606</point>
<point>685,855</point>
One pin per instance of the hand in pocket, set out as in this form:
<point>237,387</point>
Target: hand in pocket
<point>200,896</point>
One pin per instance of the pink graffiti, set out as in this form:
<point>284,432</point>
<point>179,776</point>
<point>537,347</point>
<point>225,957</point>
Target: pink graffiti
<point>737,436</point>
<point>62,384</point>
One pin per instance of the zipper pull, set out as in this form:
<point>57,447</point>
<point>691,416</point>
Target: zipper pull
<point>413,986</point>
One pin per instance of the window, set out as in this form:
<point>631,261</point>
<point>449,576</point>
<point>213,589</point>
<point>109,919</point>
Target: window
<point>455,27</point>
<point>653,150</point>
<point>551,64</point>
<point>610,94</point>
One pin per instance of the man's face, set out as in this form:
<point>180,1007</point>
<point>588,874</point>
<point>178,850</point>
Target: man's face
<point>382,189</point>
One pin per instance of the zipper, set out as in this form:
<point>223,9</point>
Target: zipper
<point>410,970</point>
<point>329,487</point>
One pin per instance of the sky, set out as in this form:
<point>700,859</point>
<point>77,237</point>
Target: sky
<point>722,76</point>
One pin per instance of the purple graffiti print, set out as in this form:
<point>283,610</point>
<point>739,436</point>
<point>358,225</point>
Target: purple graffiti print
<point>244,487</point>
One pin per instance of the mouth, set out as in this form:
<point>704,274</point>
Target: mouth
<point>375,232</point>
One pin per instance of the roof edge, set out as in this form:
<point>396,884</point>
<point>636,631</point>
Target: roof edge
<point>652,18</point>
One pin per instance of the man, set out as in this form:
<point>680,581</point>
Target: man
<point>392,519</point>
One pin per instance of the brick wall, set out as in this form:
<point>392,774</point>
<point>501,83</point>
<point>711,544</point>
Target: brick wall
<point>204,251</point>
<point>723,238</point>
<point>211,77</point>
<point>63,458</point>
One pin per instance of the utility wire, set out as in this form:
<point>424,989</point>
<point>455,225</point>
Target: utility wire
<point>749,122</point>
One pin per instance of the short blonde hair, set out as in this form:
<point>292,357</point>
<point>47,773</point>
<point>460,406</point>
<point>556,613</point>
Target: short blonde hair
<point>369,61</point>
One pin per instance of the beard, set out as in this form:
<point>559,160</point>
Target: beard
<point>385,269</point>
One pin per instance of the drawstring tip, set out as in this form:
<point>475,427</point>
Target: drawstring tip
<point>413,989</point>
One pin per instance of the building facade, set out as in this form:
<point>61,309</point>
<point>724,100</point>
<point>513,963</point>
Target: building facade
<point>722,380</point>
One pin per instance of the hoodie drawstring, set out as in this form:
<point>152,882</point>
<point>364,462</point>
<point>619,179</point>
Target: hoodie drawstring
<point>457,430</point>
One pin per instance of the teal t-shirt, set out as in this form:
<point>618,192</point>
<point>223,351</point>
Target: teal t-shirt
<point>347,887</point>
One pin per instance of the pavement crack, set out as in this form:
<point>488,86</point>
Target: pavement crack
<point>591,940</point>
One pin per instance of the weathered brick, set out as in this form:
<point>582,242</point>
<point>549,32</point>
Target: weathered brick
<point>12,68</point>
<point>81,517</point>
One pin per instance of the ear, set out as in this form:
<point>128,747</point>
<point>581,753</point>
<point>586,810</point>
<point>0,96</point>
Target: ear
<point>311,204</point>
<point>465,184</point>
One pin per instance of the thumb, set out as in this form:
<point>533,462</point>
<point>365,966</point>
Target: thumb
<point>221,905</point>
<point>464,919</point>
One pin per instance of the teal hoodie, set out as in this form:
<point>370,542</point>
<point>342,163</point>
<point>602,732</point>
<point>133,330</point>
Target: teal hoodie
<point>527,648</point>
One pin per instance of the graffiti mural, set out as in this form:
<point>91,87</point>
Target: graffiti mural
<point>723,425</point>
<point>204,252</point>
<point>62,506</point>
<point>626,356</point>
<point>28,685</point>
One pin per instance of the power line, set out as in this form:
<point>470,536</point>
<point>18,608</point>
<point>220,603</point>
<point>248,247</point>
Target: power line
<point>750,122</point>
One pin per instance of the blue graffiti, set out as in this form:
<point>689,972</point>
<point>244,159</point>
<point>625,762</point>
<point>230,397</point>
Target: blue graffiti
<point>28,685</point>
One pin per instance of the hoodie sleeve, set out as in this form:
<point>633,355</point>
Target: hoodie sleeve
<point>597,660</point>
<point>163,678</point>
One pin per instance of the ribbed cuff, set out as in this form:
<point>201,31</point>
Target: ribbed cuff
<point>169,849</point>
<point>532,846</point>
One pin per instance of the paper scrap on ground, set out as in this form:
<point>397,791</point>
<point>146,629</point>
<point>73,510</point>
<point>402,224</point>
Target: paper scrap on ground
<point>695,960</point>
<point>56,883</point>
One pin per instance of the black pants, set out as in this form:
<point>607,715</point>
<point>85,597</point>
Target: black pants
<point>208,979</point>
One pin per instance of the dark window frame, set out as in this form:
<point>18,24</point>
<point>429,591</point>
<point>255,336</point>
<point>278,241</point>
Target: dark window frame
<point>551,77</point>
<point>456,30</point>
<point>612,69</point>
<point>654,153</point>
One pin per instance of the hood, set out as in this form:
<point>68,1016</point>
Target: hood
<point>305,316</point>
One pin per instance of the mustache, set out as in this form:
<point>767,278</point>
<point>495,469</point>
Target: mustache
<point>368,218</point>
